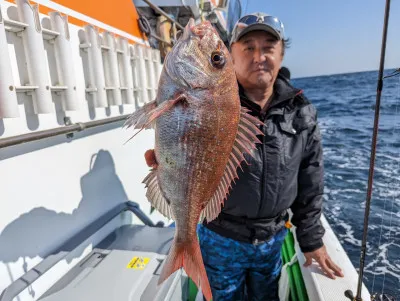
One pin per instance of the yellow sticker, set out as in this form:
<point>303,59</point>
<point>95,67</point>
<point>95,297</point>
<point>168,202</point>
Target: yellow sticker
<point>138,263</point>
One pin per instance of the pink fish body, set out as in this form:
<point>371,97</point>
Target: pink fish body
<point>201,134</point>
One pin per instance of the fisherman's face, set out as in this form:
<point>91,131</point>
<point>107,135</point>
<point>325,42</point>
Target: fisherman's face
<point>257,58</point>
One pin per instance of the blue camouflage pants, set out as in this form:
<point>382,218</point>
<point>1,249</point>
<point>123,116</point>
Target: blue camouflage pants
<point>241,271</point>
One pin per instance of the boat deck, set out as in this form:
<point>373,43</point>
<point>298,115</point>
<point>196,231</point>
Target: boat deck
<point>125,231</point>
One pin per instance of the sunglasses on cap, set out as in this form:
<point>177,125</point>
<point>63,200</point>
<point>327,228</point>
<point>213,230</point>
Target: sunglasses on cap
<point>274,24</point>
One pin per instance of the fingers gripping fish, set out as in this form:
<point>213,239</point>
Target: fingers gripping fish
<point>201,136</point>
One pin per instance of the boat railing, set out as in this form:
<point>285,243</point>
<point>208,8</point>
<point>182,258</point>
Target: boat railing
<point>117,72</point>
<point>68,130</point>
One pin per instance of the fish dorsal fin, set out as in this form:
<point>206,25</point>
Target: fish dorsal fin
<point>154,195</point>
<point>245,142</point>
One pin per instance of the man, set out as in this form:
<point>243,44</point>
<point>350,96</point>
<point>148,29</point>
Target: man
<point>242,247</point>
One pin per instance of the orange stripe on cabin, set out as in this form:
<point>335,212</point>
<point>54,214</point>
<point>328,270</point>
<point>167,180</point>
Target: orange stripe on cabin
<point>121,15</point>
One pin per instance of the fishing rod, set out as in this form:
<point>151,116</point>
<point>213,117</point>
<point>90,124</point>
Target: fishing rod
<point>349,293</point>
<point>394,73</point>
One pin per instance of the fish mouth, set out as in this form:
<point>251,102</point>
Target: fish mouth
<point>188,31</point>
<point>196,31</point>
<point>190,25</point>
<point>192,34</point>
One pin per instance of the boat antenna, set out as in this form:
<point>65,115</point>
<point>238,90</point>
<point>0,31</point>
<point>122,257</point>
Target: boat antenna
<point>349,293</point>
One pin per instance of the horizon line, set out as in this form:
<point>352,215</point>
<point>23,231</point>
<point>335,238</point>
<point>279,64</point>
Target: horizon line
<point>341,73</point>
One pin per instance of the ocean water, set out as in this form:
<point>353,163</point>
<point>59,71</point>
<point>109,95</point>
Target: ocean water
<point>345,105</point>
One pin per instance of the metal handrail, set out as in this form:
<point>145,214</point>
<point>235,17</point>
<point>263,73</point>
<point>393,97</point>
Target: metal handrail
<point>68,129</point>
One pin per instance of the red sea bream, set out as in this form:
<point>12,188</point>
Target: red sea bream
<point>201,134</point>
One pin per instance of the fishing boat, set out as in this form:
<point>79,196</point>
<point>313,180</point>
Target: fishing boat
<point>74,220</point>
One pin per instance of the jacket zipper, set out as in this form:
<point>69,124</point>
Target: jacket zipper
<point>263,172</point>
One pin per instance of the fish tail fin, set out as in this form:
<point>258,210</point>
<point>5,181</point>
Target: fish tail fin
<point>189,257</point>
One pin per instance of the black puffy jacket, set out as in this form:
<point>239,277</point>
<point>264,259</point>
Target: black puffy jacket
<point>287,172</point>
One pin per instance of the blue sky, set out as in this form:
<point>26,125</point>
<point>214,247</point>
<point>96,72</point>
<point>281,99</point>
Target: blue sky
<point>336,36</point>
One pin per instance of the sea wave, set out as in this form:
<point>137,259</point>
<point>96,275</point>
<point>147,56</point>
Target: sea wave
<point>345,105</point>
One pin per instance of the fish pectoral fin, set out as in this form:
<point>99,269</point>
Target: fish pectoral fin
<point>154,194</point>
<point>166,105</point>
<point>245,142</point>
<point>138,118</point>
<point>143,118</point>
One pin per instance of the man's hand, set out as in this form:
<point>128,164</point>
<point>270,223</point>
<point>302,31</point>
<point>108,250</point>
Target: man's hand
<point>325,262</point>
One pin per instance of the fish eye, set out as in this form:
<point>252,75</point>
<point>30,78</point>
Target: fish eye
<point>218,59</point>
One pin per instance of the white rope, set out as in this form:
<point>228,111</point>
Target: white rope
<point>291,262</point>
<point>284,285</point>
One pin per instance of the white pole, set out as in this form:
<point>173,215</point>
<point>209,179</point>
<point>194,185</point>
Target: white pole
<point>96,69</point>
<point>114,82</point>
<point>8,95</point>
<point>151,72</point>
<point>65,69</point>
<point>142,76</point>
<point>127,77</point>
<point>35,57</point>
<point>157,68</point>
